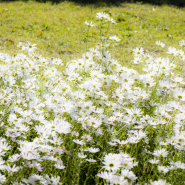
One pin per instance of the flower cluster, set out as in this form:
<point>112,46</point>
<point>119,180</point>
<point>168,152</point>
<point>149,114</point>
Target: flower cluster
<point>91,118</point>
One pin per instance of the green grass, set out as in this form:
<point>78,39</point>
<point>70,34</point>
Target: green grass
<point>58,30</point>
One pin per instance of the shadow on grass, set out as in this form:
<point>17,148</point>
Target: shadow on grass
<point>178,3</point>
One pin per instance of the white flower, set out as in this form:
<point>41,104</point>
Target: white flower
<point>129,175</point>
<point>81,155</point>
<point>178,164</point>
<point>2,178</point>
<point>62,127</point>
<point>101,15</point>
<point>126,163</point>
<point>172,50</point>
<point>30,48</point>
<point>178,79</point>
<point>119,180</point>
<point>137,59</point>
<point>179,94</point>
<point>4,146</point>
<point>103,38</point>
<point>93,150</point>
<point>114,38</point>
<point>92,85</point>
<point>111,20</point>
<point>38,166</point>
<point>161,152</point>
<point>12,169</point>
<point>89,24</point>
<point>148,81</point>
<point>20,44</point>
<point>134,111</point>
<point>59,164</point>
<point>32,179</point>
<point>56,180</point>
<point>182,43</point>
<point>160,182</point>
<point>14,158</point>
<point>139,51</point>
<point>160,44</point>
<point>112,144</point>
<point>112,162</point>
<point>78,141</point>
<point>28,156</point>
<point>91,160</point>
<point>87,137</point>
<point>21,127</point>
<point>12,117</point>
<point>163,169</point>
<point>9,80</point>
<point>56,140</point>
<point>153,161</point>
<point>106,175</point>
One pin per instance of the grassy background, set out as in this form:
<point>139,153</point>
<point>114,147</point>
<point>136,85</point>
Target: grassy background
<point>58,30</point>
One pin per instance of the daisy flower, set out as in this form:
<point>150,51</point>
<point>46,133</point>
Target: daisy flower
<point>179,94</point>
<point>112,162</point>
<point>114,38</point>
<point>172,50</point>
<point>161,152</point>
<point>137,59</point>
<point>106,175</point>
<point>138,51</point>
<point>2,178</point>
<point>59,164</point>
<point>163,169</point>
<point>153,161</point>
<point>159,43</point>
<point>89,24</point>
<point>93,150</point>
<point>129,175</point>
<point>91,160</point>
<point>12,169</point>
<point>81,155</point>
<point>182,43</point>
<point>160,182</point>
<point>101,15</point>
<point>78,141</point>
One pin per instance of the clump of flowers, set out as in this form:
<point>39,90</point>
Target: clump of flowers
<point>95,122</point>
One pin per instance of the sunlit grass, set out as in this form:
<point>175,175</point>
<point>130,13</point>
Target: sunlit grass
<point>59,29</point>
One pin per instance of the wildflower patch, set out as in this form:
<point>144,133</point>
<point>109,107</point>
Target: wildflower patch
<point>96,122</point>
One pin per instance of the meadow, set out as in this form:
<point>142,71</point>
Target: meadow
<point>92,94</point>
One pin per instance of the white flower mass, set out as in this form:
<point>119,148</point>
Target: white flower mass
<point>115,122</point>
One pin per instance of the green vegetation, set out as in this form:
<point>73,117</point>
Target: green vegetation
<point>59,29</point>
<point>113,115</point>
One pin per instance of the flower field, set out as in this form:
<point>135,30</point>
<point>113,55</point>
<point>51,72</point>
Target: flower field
<point>92,120</point>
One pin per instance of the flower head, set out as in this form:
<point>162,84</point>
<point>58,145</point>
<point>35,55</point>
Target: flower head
<point>112,162</point>
<point>160,182</point>
<point>160,44</point>
<point>91,24</point>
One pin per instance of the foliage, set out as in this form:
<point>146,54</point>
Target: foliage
<point>58,29</point>
<point>92,120</point>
